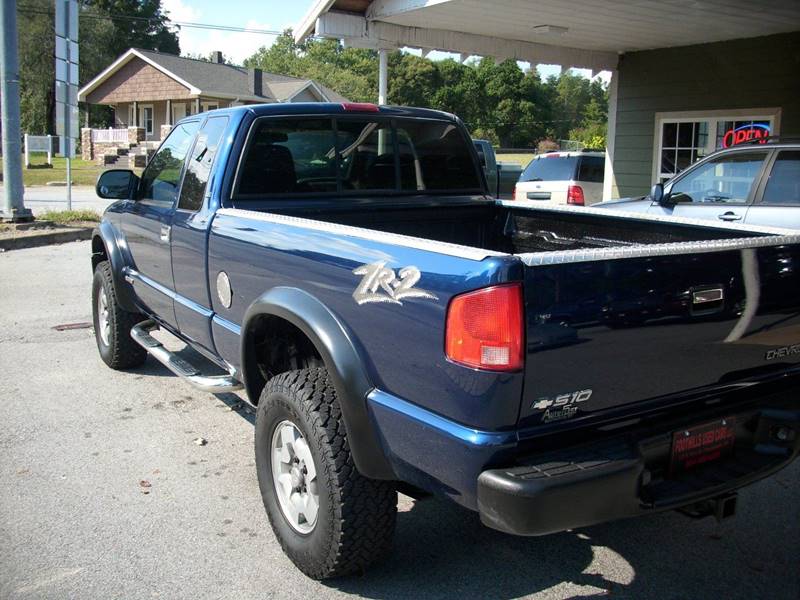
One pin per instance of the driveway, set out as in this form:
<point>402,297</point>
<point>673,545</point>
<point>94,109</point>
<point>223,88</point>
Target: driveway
<point>40,198</point>
<point>106,495</point>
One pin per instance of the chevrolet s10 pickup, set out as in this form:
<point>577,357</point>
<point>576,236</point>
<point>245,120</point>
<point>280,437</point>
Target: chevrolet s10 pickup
<point>400,329</point>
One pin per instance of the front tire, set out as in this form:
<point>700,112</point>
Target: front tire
<point>329,519</point>
<point>112,324</point>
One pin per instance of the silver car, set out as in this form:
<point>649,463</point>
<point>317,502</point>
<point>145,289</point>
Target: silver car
<point>756,184</point>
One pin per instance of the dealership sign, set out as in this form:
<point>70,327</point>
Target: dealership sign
<point>745,133</point>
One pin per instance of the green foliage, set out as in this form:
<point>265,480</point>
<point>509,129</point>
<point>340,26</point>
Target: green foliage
<point>107,29</point>
<point>498,102</point>
<point>63,217</point>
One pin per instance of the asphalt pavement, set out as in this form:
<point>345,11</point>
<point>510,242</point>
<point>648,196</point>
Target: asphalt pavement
<point>105,494</point>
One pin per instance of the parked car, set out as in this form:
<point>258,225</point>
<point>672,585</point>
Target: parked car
<point>501,177</point>
<point>399,328</point>
<point>755,184</point>
<point>563,178</point>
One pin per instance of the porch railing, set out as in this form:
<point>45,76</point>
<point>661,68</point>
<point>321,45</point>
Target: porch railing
<point>110,135</point>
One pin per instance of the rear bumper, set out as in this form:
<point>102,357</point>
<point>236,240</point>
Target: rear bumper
<point>624,477</point>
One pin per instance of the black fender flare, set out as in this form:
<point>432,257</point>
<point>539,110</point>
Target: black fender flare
<point>332,340</point>
<point>105,232</point>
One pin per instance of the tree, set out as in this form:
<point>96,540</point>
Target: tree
<point>107,29</point>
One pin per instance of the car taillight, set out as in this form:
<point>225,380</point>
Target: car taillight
<point>575,195</point>
<point>360,107</point>
<point>484,328</point>
<point>514,197</point>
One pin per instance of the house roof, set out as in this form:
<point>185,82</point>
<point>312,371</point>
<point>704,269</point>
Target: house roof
<point>216,79</point>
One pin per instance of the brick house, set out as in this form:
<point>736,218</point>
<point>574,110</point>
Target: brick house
<point>150,91</point>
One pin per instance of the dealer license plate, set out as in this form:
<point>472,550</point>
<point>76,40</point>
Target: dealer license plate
<point>702,444</point>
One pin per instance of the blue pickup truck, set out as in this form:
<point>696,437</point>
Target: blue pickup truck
<point>400,329</point>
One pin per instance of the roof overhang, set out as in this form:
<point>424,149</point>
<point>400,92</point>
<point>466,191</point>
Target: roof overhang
<point>580,33</point>
<point>122,61</point>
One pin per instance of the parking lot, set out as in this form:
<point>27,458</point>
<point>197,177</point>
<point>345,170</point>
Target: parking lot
<point>106,494</point>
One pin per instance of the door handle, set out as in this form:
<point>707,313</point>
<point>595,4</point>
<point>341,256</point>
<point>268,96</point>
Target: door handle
<point>165,229</point>
<point>729,216</point>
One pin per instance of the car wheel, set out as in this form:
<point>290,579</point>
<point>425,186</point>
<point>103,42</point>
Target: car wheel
<point>112,324</point>
<point>329,519</point>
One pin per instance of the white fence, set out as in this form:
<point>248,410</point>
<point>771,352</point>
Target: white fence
<point>110,136</point>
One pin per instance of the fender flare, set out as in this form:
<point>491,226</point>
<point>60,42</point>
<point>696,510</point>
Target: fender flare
<point>125,296</point>
<point>332,340</point>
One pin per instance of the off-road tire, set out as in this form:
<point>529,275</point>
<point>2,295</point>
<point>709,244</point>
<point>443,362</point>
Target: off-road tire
<point>356,518</point>
<point>121,352</point>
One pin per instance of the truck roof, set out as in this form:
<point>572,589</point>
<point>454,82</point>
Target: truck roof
<point>336,108</point>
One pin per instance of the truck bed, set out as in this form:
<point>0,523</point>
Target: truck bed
<point>511,227</point>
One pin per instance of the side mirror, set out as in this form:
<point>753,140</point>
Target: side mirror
<point>116,184</point>
<point>658,196</point>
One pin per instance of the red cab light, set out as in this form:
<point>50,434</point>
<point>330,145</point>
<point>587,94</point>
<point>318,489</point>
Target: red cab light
<point>359,107</point>
<point>484,328</point>
<point>575,195</point>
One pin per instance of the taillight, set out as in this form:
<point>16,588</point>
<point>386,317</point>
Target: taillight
<point>575,195</point>
<point>514,197</point>
<point>484,328</point>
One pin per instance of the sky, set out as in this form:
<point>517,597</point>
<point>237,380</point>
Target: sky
<point>273,15</point>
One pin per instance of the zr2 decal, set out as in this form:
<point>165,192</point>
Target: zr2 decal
<point>380,284</point>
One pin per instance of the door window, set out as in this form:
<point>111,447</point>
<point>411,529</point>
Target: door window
<point>162,176</point>
<point>783,186</point>
<point>199,166</point>
<point>725,180</point>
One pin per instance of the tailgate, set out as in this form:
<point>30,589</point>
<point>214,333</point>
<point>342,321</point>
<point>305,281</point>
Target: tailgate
<point>607,334</point>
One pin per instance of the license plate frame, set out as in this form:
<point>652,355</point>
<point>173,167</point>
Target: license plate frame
<point>702,444</point>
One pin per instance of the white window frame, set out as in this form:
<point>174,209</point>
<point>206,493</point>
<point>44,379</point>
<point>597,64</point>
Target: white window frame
<point>143,121</point>
<point>206,106</point>
<point>714,118</point>
<point>131,115</point>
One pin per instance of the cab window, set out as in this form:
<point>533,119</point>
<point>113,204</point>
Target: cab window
<point>199,167</point>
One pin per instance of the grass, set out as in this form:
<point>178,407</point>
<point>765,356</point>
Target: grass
<point>84,172</point>
<point>65,217</point>
<point>521,159</point>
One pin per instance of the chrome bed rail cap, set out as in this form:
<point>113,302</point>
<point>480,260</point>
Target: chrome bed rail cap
<point>767,236</point>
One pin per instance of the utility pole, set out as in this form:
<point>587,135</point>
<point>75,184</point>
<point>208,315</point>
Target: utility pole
<point>13,202</point>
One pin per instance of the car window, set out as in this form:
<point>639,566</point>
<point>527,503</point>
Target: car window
<point>200,162</point>
<point>162,175</point>
<point>726,179</point>
<point>550,168</point>
<point>351,154</point>
<point>591,169</point>
<point>783,185</point>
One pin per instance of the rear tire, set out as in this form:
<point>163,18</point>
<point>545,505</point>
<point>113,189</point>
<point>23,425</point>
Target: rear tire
<point>354,523</point>
<point>112,324</point>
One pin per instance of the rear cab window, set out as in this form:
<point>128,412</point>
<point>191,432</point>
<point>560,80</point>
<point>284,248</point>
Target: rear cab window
<point>349,155</point>
<point>550,167</point>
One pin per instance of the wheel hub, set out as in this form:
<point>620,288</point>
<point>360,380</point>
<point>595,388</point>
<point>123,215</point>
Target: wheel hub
<point>294,476</point>
<point>103,322</point>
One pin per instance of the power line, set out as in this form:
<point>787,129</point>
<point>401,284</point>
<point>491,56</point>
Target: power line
<point>30,10</point>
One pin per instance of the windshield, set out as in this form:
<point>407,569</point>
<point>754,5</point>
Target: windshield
<point>354,154</point>
<point>550,168</point>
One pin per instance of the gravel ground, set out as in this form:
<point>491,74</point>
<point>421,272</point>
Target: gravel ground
<point>105,494</point>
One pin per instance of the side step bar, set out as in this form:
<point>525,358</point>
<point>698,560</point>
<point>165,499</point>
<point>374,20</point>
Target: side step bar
<point>214,384</point>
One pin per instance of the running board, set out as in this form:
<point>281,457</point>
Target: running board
<point>214,384</point>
